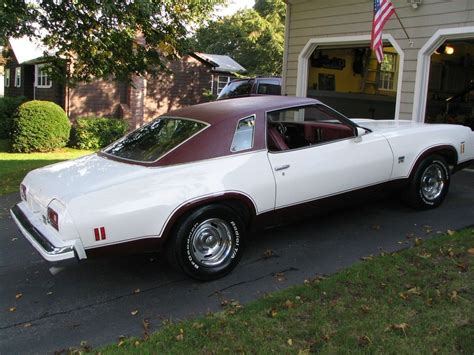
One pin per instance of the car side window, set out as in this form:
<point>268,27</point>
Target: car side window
<point>301,127</point>
<point>269,87</point>
<point>244,134</point>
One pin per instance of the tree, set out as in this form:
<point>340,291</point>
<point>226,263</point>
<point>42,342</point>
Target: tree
<point>253,37</point>
<point>107,38</point>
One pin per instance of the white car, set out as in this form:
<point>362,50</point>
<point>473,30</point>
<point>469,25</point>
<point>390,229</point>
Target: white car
<point>195,180</point>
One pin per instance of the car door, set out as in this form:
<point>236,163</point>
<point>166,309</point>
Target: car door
<point>331,167</point>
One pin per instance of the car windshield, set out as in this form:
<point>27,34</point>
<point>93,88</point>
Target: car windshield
<point>236,88</point>
<point>155,139</point>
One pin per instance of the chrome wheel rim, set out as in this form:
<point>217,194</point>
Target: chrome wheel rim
<point>432,182</point>
<point>211,242</point>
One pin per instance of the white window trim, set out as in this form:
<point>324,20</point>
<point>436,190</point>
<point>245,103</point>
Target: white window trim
<point>219,82</point>
<point>7,77</point>
<point>313,43</point>
<point>422,78</point>
<point>394,88</point>
<point>17,82</point>
<point>37,68</point>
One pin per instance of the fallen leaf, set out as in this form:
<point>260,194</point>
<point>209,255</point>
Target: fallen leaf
<point>289,342</point>
<point>224,303</point>
<point>197,325</point>
<point>364,340</point>
<point>137,343</point>
<point>366,258</point>
<point>470,251</point>
<point>414,291</point>
<point>26,325</point>
<point>401,326</point>
<point>428,229</point>
<point>268,254</point>
<point>424,255</point>
<point>18,296</point>
<point>451,232</point>
<point>120,343</point>
<point>134,312</point>
<point>180,337</point>
<point>272,313</point>
<point>418,241</point>
<point>289,304</point>
<point>453,296</point>
<point>280,276</point>
<point>49,293</point>
<point>376,227</point>
<point>137,290</point>
<point>12,309</point>
<point>364,308</point>
<point>297,298</point>
<point>13,239</point>
<point>403,295</point>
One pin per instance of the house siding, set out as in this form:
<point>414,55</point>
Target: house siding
<point>98,98</point>
<point>314,18</point>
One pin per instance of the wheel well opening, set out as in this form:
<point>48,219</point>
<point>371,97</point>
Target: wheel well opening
<point>450,155</point>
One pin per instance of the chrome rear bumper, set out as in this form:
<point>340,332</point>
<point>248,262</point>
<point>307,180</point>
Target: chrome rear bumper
<point>50,246</point>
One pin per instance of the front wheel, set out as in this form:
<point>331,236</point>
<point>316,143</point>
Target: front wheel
<point>208,243</point>
<point>429,185</point>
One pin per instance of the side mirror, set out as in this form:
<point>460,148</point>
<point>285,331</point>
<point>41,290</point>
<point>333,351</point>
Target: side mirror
<point>359,133</point>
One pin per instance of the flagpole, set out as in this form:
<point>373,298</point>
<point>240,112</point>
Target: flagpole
<point>404,30</point>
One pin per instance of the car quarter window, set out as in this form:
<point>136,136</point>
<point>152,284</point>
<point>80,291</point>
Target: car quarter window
<point>244,134</point>
<point>306,126</point>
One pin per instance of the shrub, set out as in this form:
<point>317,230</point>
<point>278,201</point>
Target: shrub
<point>39,126</point>
<point>96,133</point>
<point>8,106</point>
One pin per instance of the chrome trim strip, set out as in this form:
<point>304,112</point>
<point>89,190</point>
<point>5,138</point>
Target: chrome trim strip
<point>47,246</point>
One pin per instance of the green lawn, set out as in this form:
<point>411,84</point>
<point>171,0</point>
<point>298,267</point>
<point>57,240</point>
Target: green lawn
<point>14,166</point>
<point>420,300</point>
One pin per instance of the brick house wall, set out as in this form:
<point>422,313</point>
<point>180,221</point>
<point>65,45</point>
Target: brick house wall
<point>98,98</point>
<point>184,86</point>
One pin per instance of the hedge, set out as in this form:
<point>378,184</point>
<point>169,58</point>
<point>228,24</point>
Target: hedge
<point>8,106</point>
<point>96,133</point>
<point>39,126</point>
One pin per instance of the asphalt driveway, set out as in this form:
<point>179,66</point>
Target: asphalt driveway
<point>94,301</point>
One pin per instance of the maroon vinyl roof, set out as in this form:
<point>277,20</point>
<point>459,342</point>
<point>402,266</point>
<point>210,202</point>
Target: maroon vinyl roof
<point>217,111</point>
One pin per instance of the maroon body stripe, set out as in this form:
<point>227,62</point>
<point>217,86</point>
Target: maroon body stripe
<point>102,233</point>
<point>96,233</point>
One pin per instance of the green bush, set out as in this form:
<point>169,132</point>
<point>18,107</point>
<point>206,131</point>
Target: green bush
<point>39,126</point>
<point>96,133</point>
<point>8,106</point>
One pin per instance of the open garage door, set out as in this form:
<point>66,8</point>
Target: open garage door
<point>450,96</point>
<point>352,81</point>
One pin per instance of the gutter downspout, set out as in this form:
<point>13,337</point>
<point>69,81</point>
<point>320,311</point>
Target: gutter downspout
<point>286,47</point>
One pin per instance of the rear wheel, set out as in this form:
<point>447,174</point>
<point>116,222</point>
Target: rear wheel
<point>429,185</point>
<point>207,244</point>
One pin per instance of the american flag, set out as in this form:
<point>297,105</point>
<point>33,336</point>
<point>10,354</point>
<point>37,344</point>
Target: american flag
<point>383,9</point>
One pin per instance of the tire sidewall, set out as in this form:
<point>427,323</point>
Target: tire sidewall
<point>183,242</point>
<point>421,199</point>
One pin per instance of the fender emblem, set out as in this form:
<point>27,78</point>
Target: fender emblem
<point>99,234</point>
<point>401,159</point>
<point>463,147</point>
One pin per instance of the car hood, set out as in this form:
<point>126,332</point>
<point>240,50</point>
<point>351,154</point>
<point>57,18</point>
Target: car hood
<point>387,125</point>
<point>66,180</point>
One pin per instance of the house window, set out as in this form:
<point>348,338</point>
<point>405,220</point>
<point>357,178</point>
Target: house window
<point>7,78</point>
<point>388,70</point>
<point>18,77</point>
<point>221,83</point>
<point>43,80</point>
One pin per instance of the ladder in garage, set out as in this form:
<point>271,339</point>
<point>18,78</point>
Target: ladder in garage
<point>369,71</point>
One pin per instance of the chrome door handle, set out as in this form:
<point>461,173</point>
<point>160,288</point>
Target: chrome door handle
<point>283,167</point>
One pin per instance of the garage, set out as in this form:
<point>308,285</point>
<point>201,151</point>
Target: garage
<point>351,80</point>
<point>450,94</point>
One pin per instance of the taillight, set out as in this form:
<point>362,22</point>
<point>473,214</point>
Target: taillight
<point>53,218</point>
<point>23,192</point>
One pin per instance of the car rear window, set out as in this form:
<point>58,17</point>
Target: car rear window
<point>155,139</point>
